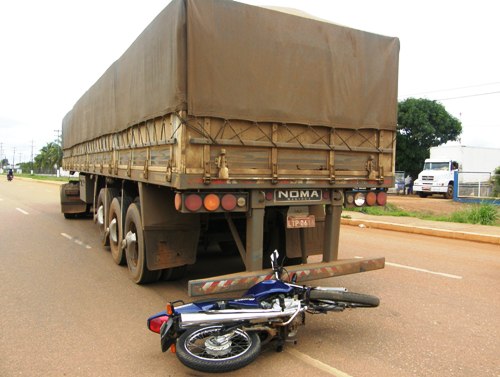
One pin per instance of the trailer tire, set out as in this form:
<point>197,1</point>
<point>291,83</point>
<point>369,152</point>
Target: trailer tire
<point>116,225</point>
<point>100,217</point>
<point>135,248</point>
<point>104,199</point>
<point>173,273</point>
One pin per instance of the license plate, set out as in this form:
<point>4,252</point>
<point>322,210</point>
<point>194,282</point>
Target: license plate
<point>426,188</point>
<point>300,221</point>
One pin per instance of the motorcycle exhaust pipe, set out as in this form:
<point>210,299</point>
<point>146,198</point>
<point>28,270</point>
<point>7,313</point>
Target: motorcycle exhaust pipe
<point>229,316</point>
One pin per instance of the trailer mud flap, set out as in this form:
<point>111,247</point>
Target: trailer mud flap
<point>304,272</point>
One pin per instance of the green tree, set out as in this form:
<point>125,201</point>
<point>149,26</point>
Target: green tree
<point>496,182</point>
<point>422,124</point>
<point>25,167</point>
<point>50,155</point>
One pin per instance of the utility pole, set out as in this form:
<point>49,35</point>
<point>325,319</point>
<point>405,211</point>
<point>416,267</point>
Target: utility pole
<point>31,157</point>
<point>58,136</point>
<point>14,158</point>
<point>59,144</point>
<point>1,154</point>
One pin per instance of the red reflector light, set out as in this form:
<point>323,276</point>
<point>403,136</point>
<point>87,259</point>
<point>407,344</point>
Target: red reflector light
<point>371,198</point>
<point>326,195</point>
<point>228,202</point>
<point>211,202</point>
<point>193,202</point>
<point>178,201</point>
<point>155,323</point>
<point>269,196</point>
<point>382,198</point>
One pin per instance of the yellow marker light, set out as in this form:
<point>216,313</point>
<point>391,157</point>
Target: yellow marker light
<point>211,202</point>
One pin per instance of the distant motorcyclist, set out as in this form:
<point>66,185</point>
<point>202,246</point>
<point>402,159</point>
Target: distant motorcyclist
<point>10,175</point>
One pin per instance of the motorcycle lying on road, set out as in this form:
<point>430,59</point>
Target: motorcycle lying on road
<point>221,335</point>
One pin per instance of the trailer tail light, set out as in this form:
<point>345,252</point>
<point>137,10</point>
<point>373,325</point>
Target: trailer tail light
<point>367,197</point>
<point>349,198</point>
<point>241,201</point>
<point>359,199</point>
<point>371,198</point>
<point>193,202</point>
<point>228,202</point>
<point>381,198</point>
<point>211,202</point>
<point>178,201</point>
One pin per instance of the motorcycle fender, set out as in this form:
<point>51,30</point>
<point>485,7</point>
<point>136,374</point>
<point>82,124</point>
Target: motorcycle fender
<point>167,334</point>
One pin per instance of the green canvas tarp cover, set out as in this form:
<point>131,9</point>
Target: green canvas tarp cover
<point>230,60</point>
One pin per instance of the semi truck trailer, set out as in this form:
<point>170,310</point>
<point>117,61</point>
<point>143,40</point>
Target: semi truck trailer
<point>235,125</point>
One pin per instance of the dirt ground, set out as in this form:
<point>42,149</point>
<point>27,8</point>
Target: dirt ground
<point>433,204</point>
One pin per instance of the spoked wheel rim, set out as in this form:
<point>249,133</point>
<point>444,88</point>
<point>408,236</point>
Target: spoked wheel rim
<point>210,344</point>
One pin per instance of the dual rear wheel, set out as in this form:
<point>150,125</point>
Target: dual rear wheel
<point>135,248</point>
<point>120,228</point>
<point>117,213</point>
<point>130,247</point>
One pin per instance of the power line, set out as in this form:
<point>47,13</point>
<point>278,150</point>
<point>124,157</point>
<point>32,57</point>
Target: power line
<point>467,96</point>
<point>450,89</point>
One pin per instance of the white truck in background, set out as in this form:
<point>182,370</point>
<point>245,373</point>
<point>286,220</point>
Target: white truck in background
<point>437,176</point>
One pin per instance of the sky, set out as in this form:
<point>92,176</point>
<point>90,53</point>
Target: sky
<point>52,51</point>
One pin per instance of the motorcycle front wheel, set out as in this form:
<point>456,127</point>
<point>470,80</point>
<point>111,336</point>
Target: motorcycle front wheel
<point>209,349</point>
<point>351,299</point>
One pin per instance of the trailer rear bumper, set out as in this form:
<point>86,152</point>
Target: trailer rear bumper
<point>304,272</point>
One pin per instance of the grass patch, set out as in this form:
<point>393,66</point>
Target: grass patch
<point>484,214</point>
<point>390,210</point>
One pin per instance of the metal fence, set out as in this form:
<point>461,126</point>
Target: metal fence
<point>475,187</point>
<point>399,183</point>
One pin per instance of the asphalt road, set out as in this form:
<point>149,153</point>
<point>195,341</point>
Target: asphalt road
<point>67,310</point>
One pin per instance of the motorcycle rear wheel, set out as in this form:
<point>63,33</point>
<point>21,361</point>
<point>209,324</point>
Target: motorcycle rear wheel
<point>359,299</point>
<point>205,350</point>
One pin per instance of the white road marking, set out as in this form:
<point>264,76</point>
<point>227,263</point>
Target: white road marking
<point>22,211</point>
<point>316,363</point>
<point>66,236</point>
<point>424,270</point>
<point>420,270</point>
<point>76,240</point>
